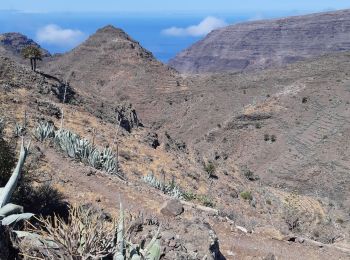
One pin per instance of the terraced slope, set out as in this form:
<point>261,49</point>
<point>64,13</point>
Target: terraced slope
<point>289,126</point>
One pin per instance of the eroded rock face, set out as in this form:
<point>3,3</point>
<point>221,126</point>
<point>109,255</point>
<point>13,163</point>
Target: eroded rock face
<point>127,117</point>
<point>267,43</point>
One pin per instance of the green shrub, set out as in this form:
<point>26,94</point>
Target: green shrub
<point>206,201</point>
<point>210,169</point>
<point>246,195</point>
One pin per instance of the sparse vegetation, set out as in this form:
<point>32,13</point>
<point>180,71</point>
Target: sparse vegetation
<point>32,53</point>
<point>210,169</point>
<point>84,235</point>
<point>266,137</point>
<point>304,100</point>
<point>81,149</point>
<point>273,138</point>
<point>291,212</point>
<point>206,201</point>
<point>249,174</point>
<point>171,188</point>
<point>246,195</point>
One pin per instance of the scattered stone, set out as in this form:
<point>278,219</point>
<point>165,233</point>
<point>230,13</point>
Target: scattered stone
<point>172,208</point>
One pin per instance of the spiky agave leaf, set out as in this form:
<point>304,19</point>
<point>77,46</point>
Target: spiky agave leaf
<point>152,251</point>
<point>11,185</point>
<point>19,130</point>
<point>44,131</point>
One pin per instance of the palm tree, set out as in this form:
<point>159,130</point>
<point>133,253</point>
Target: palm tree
<point>32,53</point>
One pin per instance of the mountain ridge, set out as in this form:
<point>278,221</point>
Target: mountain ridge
<point>266,43</point>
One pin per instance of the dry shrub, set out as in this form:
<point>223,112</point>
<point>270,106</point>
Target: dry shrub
<point>83,236</point>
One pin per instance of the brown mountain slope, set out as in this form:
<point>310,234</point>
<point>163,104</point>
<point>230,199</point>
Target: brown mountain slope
<point>112,66</point>
<point>218,120</point>
<point>267,43</point>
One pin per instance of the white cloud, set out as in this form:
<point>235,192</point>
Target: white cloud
<point>53,34</point>
<point>204,27</point>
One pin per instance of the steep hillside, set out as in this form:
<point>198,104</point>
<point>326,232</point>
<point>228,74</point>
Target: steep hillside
<point>258,159</point>
<point>267,43</point>
<point>113,66</point>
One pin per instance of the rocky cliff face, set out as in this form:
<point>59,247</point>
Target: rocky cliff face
<point>269,43</point>
<point>11,44</point>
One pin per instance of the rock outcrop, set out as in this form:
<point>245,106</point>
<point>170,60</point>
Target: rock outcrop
<point>127,117</point>
<point>267,43</point>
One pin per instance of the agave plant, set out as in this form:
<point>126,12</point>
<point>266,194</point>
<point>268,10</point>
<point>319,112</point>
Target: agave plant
<point>94,159</point>
<point>11,213</point>
<point>153,181</point>
<point>79,148</point>
<point>85,235</point>
<point>109,163</point>
<point>19,130</point>
<point>83,149</point>
<point>44,131</point>
<point>170,189</point>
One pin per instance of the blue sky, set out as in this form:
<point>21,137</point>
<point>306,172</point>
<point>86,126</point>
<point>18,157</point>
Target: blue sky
<point>163,27</point>
<point>186,6</point>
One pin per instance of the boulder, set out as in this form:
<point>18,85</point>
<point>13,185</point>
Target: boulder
<point>172,208</point>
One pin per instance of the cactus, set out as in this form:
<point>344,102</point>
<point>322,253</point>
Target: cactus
<point>10,213</point>
<point>44,131</point>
